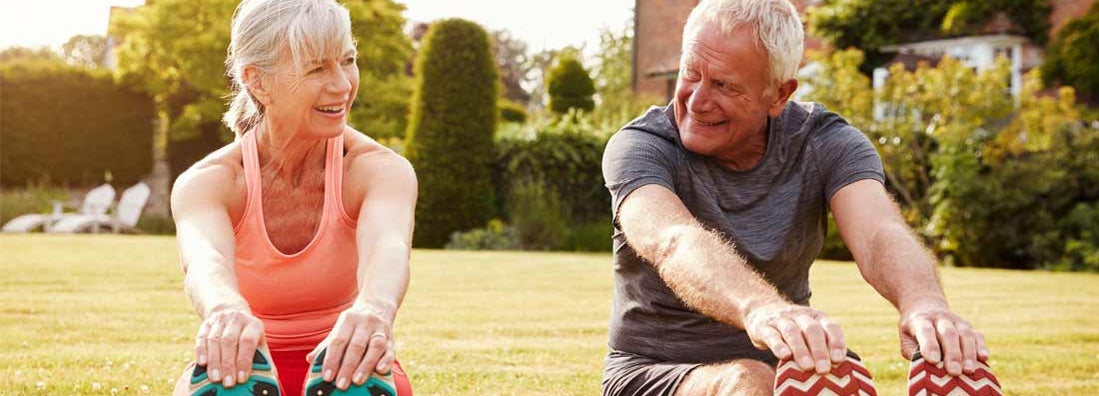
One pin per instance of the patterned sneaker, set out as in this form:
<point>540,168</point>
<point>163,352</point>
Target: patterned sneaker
<point>926,379</point>
<point>263,381</point>
<point>376,385</point>
<point>849,378</point>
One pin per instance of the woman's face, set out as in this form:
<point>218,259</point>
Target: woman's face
<point>313,99</point>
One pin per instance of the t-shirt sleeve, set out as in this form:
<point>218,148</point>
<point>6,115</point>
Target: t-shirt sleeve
<point>846,156</point>
<point>634,158</point>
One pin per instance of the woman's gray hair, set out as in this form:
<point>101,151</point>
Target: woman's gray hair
<point>775,22</point>
<point>264,30</point>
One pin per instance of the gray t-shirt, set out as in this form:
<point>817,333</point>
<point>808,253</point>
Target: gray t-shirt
<point>776,213</point>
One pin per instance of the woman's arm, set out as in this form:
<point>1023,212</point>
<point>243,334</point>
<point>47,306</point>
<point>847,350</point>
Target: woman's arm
<point>229,333</point>
<point>362,340</point>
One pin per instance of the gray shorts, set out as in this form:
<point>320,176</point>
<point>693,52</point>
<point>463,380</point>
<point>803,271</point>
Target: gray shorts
<point>628,374</point>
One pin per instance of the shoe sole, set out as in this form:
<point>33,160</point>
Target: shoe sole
<point>926,379</point>
<point>849,378</point>
<point>376,385</point>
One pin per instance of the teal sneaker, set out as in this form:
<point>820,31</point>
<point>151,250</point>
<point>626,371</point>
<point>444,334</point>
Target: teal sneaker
<point>263,381</point>
<point>376,385</point>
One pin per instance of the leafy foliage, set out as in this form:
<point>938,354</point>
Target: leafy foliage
<point>86,50</point>
<point>870,25</point>
<point>988,182</point>
<point>1073,57</point>
<point>70,125</point>
<point>450,133</point>
<point>569,86</point>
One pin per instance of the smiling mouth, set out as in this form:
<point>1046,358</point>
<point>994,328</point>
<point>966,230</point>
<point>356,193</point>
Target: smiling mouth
<point>709,124</point>
<point>329,109</point>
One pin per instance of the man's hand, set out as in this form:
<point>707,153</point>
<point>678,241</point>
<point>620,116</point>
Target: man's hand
<point>942,336</point>
<point>815,341</point>
<point>226,342</point>
<point>359,344</point>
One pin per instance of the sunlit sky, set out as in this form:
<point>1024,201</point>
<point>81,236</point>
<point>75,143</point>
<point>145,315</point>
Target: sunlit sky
<point>541,24</point>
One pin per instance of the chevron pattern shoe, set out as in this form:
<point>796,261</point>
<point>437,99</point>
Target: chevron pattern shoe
<point>263,381</point>
<point>926,379</point>
<point>849,378</point>
<point>376,385</point>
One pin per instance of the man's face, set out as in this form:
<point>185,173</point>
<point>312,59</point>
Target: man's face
<point>723,95</point>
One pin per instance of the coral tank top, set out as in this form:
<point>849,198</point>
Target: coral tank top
<point>298,296</point>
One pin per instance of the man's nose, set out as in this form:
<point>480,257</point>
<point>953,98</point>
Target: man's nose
<point>701,99</point>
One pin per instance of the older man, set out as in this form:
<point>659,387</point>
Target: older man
<point>720,203</point>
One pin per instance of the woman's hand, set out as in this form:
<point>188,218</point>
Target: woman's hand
<point>361,342</point>
<point>226,342</point>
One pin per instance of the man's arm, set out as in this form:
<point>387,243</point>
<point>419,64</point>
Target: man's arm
<point>362,340</point>
<point>229,333</point>
<point>708,274</point>
<point>903,271</point>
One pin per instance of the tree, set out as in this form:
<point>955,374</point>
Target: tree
<point>870,25</point>
<point>23,53</point>
<point>569,86</point>
<point>985,181</point>
<point>450,132</point>
<point>89,51</point>
<point>1073,58</point>
<point>613,78</point>
<point>514,66</point>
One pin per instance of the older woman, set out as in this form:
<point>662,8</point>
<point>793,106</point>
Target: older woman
<point>295,237</point>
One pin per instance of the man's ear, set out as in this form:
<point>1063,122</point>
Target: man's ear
<point>256,84</point>
<point>785,90</point>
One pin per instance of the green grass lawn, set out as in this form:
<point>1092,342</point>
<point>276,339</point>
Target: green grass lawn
<point>82,315</point>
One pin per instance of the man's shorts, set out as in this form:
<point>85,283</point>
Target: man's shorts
<point>627,374</point>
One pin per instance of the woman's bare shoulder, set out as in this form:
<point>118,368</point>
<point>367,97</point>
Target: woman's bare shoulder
<point>218,173</point>
<point>363,151</point>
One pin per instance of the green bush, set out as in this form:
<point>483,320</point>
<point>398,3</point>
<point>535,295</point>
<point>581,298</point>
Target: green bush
<point>495,236</point>
<point>540,218</point>
<point>1073,58</point>
<point>566,154</point>
<point>35,198</point>
<point>71,125</point>
<point>590,237</point>
<point>834,248</point>
<point>570,86</point>
<point>450,132</point>
<point>511,111</point>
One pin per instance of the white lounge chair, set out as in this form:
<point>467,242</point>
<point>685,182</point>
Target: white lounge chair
<point>125,216</point>
<point>96,202</point>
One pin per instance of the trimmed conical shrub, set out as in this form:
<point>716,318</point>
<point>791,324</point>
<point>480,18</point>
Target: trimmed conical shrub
<point>570,86</point>
<point>450,130</point>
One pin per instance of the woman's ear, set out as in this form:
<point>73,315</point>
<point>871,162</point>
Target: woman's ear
<point>255,82</point>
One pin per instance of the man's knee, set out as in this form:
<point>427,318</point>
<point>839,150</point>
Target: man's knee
<point>739,377</point>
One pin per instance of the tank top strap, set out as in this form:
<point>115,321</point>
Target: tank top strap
<point>250,153</point>
<point>333,180</point>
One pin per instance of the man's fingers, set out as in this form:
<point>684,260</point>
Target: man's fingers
<point>791,333</point>
<point>837,343</point>
<point>814,336</point>
<point>771,339</point>
<point>924,332</point>
<point>982,347</point>
<point>951,347</point>
<point>969,348</point>
<point>385,364</point>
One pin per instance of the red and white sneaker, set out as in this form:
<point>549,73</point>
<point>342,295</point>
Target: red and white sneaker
<point>926,379</point>
<point>849,378</point>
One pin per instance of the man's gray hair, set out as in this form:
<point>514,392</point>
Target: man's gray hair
<point>264,30</point>
<point>775,22</point>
